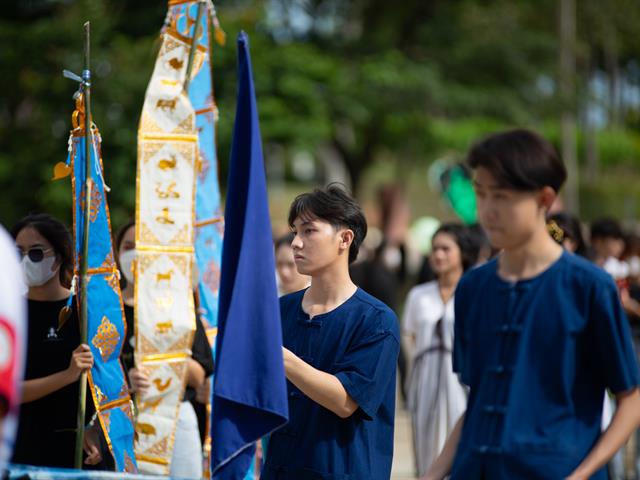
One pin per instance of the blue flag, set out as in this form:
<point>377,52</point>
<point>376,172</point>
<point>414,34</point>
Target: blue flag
<point>250,393</point>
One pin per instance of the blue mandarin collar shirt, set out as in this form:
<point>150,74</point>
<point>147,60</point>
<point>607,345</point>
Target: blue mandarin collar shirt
<point>358,342</point>
<point>538,355</point>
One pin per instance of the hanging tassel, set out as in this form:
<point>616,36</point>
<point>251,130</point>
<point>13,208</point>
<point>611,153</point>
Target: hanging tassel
<point>65,312</point>
<point>218,33</point>
<point>63,169</point>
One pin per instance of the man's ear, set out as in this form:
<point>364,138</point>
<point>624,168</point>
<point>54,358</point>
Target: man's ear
<point>346,238</point>
<point>547,196</point>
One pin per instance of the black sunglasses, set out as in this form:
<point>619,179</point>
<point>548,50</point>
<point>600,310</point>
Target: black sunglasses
<point>35,254</point>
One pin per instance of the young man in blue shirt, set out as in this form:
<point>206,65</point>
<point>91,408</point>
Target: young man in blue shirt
<point>540,335</point>
<point>340,351</point>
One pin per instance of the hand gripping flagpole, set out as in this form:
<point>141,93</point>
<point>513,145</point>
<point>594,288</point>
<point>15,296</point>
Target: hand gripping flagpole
<point>84,257</point>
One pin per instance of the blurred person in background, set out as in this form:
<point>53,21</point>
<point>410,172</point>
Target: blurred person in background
<point>628,271</point>
<point>436,398</point>
<point>608,244</point>
<point>289,280</point>
<point>480,245</point>
<point>12,343</point>
<point>384,273</point>
<point>631,301</point>
<point>617,254</point>
<point>566,230</point>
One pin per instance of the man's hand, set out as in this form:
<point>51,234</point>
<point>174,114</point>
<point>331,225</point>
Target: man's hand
<point>576,476</point>
<point>442,465</point>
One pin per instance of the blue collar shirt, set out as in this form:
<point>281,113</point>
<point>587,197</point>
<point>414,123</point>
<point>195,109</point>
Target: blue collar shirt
<point>358,342</point>
<point>538,355</point>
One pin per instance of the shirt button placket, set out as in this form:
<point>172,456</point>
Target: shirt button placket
<point>496,409</point>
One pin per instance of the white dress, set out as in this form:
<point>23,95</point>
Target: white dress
<point>436,398</point>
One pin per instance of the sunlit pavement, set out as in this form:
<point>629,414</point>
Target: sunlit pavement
<point>403,449</point>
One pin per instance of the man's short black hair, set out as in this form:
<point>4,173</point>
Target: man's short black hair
<point>336,206</point>
<point>606,228</point>
<point>520,160</point>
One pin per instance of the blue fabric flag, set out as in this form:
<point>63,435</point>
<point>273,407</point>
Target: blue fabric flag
<point>250,395</point>
<point>106,326</point>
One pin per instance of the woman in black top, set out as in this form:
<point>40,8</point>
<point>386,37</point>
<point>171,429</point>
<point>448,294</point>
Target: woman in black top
<point>55,358</point>
<point>187,454</point>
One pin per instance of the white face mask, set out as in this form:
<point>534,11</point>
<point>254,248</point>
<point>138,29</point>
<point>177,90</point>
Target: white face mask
<point>126,264</point>
<point>38,273</point>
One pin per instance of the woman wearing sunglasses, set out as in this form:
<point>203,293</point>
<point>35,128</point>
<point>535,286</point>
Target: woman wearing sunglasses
<point>55,357</point>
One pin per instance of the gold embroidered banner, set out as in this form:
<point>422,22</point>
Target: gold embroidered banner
<point>164,307</point>
<point>105,318</point>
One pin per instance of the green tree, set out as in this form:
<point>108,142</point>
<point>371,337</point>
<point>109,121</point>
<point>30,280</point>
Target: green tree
<point>365,79</point>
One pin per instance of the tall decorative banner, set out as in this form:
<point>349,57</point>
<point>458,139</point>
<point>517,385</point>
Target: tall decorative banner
<point>106,326</point>
<point>209,217</point>
<point>168,162</point>
<point>183,18</point>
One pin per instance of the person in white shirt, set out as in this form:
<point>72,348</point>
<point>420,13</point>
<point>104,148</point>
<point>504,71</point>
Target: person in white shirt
<point>436,398</point>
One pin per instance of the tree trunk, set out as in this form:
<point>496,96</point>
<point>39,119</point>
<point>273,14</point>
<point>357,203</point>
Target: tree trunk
<point>613,74</point>
<point>590,139</point>
<point>356,160</point>
<point>567,24</point>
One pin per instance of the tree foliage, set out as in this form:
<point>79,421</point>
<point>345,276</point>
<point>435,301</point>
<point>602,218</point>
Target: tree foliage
<point>364,79</point>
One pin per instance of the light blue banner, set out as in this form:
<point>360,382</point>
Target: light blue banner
<point>105,324</point>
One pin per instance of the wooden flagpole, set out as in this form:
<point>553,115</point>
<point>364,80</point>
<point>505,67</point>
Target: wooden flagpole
<point>84,257</point>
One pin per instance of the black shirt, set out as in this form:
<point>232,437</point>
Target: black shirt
<point>200,350</point>
<point>46,429</point>
<point>126,355</point>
